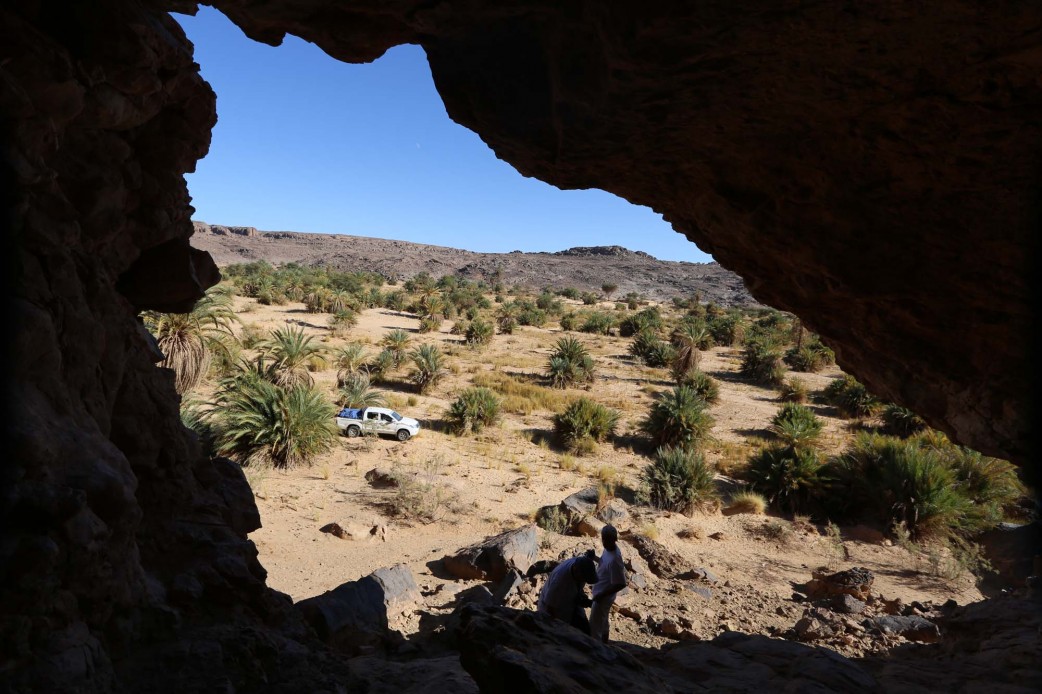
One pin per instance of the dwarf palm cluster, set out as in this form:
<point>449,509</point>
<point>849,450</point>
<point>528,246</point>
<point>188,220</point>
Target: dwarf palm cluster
<point>190,340</point>
<point>570,364</point>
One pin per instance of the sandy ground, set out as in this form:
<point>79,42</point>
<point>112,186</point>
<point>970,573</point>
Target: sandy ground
<point>500,477</point>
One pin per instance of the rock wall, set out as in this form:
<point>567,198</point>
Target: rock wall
<point>873,169</point>
<point>124,563</point>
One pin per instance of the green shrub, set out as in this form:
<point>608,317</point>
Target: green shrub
<point>794,390</point>
<point>796,425</point>
<point>430,324</point>
<point>570,364</point>
<point>479,333</point>
<point>727,330</point>
<point>933,487</point>
<point>381,366</point>
<point>397,343</point>
<point>585,422</point>
<point>356,391</point>
<point>678,479</point>
<point>259,421</point>
<point>901,421</point>
<point>473,410</point>
<point>812,357</point>
<point>648,319</point>
<point>598,323</point>
<point>792,479</point>
<point>762,363</point>
<point>704,385</point>
<point>429,367</point>
<point>679,419</point>
<point>589,298</point>
<point>650,349</point>
<point>569,293</point>
<point>570,322</point>
<point>851,397</point>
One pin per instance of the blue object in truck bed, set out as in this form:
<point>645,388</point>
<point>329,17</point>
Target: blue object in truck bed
<point>349,413</point>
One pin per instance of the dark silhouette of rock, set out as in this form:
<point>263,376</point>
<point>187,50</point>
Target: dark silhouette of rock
<point>873,171</point>
<point>911,627</point>
<point>491,559</point>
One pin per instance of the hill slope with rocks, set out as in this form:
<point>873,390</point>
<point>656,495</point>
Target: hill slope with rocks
<point>585,268</point>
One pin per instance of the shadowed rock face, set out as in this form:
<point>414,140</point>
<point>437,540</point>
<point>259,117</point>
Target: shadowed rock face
<point>873,169</point>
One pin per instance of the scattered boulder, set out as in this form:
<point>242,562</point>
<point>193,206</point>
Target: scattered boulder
<point>510,583</point>
<point>381,478</point>
<point>354,531</point>
<point>812,628</point>
<point>720,535</point>
<point>912,628</point>
<point>856,582</point>
<point>614,512</point>
<point>589,526</point>
<point>662,561</point>
<point>692,532</point>
<point>580,504</point>
<point>846,604</point>
<point>358,614</point>
<point>493,558</point>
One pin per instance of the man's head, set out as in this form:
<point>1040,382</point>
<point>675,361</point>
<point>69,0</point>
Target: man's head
<point>584,570</point>
<point>609,537</point>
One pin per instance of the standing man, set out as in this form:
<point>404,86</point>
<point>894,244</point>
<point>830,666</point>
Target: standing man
<point>611,578</point>
<point>564,595</point>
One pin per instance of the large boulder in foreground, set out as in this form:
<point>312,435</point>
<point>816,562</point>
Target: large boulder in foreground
<point>491,559</point>
<point>359,613</point>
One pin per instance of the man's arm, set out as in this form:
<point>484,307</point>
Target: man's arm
<point>609,591</point>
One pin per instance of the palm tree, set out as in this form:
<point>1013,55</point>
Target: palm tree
<point>688,338</point>
<point>340,300</point>
<point>356,391</point>
<point>680,418</point>
<point>348,361</point>
<point>291,352</point>
<point>396,341</point>
<point>429,367</point>
<point>189,340</point>
<point>261,422</point>
<point>570,363</point>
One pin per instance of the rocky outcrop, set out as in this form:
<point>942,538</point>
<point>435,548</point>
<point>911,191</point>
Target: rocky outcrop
<point>493,558</point>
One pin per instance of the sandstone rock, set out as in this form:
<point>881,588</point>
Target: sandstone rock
<point>358,613</point>
<point>507,587</point>
<point>491,559</point>
<point>813,629</point>
<point>354,531</point>
<point>614,512</point>
<point>720,535</point>
<point>846,604</point>
<point>856,582</point>
<point>662,561</point>
<point>589,526</point>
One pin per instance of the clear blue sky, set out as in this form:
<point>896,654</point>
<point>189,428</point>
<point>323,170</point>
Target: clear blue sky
<point>306,143</point>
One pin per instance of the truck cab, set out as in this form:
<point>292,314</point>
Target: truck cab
<point>376,420</point>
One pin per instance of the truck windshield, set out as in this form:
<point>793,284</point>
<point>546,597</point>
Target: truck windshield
<point>397,417</point>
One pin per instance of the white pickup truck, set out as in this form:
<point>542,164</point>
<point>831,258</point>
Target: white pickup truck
<point>376,420</point>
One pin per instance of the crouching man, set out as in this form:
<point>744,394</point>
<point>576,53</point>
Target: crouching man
<point>564,595</point>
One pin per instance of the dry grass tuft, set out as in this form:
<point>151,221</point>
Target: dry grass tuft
<point>520,397</point>
<point>746,502</point>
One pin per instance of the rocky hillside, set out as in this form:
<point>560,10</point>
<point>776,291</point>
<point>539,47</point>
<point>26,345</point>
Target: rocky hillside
<point>585,268</point>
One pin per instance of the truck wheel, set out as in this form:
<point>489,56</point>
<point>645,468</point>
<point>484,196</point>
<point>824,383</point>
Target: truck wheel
<point>353,431</point>
<point>403,435</point>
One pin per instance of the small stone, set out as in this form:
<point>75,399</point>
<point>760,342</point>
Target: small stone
<point>720,535</point>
